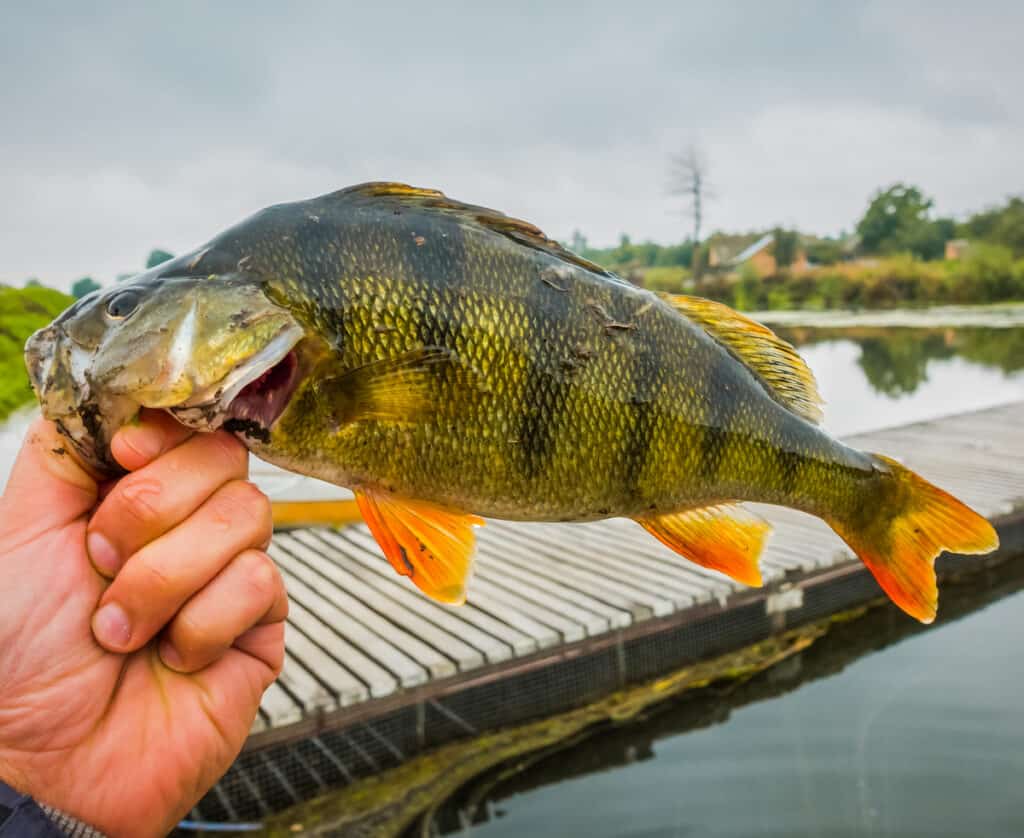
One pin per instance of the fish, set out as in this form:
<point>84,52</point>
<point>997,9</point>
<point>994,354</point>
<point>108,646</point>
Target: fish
<point>447,363</point>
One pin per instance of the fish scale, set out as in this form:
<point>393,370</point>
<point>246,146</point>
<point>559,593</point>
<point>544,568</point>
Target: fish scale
<point>580,449</point>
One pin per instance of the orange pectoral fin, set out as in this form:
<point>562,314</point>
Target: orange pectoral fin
<point>431,545</point>
<point>725,538</point>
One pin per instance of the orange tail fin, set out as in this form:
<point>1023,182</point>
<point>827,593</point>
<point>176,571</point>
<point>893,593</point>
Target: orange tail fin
<point>913,523</point>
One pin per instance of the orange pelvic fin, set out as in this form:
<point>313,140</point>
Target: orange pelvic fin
<point>726,538</point>
<point>431,545</point>
<point>916,522</point>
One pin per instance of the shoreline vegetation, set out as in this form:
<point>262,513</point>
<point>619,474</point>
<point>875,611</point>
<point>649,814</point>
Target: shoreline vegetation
<point>985,275</point>
<point>898,256</point>
<point>22,311</point>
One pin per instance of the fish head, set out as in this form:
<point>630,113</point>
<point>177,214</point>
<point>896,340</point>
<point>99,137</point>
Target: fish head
<point>209,350</point>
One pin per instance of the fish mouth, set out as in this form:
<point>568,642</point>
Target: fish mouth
<point>252,396</point>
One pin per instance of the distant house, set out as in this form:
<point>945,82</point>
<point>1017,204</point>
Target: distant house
<point>956,249</point>
<point>760,255</point>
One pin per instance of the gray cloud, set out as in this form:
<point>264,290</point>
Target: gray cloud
<point>129,127</point>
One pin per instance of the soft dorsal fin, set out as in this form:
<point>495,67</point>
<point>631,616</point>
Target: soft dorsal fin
<point>774,361</point>
<point>514,228</point>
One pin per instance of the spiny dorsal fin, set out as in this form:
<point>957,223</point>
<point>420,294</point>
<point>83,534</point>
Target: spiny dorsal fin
<point>774,361</point>
<point>514,228</point>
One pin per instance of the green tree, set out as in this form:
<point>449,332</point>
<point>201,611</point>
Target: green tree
<point>785,247</point>
<point>824,252</point>
<point>157,256</point>
<point>998,225</point>
<point>83,286</point>
<point>679,255</point>
<point>898,219</point>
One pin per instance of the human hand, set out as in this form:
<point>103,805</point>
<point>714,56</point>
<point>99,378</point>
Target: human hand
<point>122,702</point>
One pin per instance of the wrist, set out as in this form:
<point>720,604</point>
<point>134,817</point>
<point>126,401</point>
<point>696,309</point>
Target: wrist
<point>15,785</point>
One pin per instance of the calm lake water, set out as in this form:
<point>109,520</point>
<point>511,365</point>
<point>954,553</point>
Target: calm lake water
<point>882,729</point>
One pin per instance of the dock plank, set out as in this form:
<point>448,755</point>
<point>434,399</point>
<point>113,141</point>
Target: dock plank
<point>595,614</point>
<point>575,547</point>
<point>497,640</point>
<point>331,648</point>
<point>641,605</point>
<point>331,568</point>
<point>397,650</point>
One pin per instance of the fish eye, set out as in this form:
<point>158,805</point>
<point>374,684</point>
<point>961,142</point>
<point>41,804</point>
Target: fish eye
<point>123,304</point>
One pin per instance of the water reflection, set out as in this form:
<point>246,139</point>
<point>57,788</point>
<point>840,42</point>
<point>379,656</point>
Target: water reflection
<point>878,728</point>
<point>896,360</point>
<point>876,377</point>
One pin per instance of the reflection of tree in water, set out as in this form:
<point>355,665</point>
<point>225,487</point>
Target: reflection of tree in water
<point>895,360</point>
<point>898,364</point>
<point>1003,348</point>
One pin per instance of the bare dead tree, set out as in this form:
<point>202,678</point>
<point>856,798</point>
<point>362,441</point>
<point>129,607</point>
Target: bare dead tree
<point>689,179</point>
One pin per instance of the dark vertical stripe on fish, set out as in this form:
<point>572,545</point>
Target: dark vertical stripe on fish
<point>718,429</point>
<point>547,385</point>
<point>434,250</point>
<point>646,379</point>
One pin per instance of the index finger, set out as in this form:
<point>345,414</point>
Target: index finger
<point>157,432</point>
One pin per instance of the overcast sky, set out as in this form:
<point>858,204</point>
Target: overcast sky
<point>126,127</point>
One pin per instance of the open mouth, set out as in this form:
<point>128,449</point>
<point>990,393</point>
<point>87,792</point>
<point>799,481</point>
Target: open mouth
<point>252,397</point>
<point>261,402</point>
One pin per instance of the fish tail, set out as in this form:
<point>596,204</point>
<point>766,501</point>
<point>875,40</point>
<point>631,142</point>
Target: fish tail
<point>901,528</point>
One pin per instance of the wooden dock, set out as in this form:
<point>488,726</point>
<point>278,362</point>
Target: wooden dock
<point>362,641</point>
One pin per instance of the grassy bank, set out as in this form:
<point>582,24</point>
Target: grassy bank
<point>22,311</point>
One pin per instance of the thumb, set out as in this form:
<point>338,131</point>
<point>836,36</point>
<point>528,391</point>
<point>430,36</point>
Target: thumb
<point>48,487</point>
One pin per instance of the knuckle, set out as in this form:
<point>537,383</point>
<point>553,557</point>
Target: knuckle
<point>261,574</point>
<point>241,503</point>
<point>154,581</point>
<point>138,498</point>
<point>188,633</point>
<point>258,506</point>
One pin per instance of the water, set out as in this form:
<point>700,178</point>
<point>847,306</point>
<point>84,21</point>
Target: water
<point>872,378</point>
<point>881,729</point>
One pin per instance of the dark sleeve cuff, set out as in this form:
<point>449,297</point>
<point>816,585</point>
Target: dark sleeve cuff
<point>22,817</point>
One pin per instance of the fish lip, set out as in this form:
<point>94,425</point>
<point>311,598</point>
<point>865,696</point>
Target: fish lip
<point>209,409</point>
<point>55,369</point>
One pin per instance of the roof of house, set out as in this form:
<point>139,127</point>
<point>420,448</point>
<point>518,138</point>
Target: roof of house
<point>755,248</point>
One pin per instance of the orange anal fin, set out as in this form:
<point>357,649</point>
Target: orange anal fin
<point>726,538</point>
<point>431,545</point>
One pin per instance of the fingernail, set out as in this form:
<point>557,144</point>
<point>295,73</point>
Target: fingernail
<point>102,553</point>
<point>169,655</point>
<point>110,625</point>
